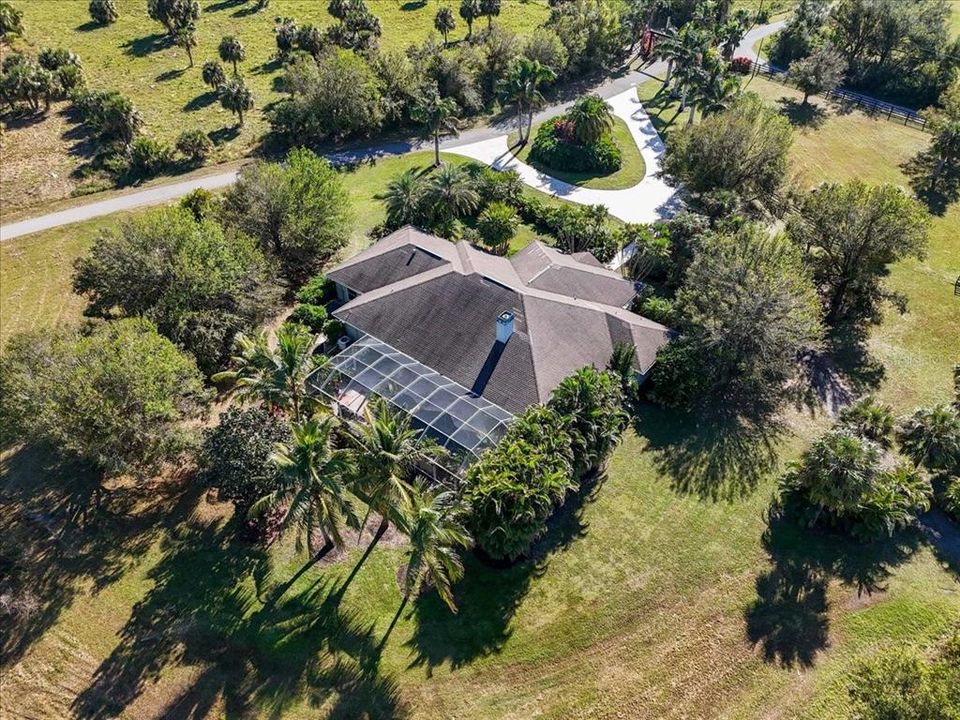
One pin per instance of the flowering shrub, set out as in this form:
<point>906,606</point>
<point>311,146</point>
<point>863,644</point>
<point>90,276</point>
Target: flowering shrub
<point>741,65</point>
<point>555,147</point>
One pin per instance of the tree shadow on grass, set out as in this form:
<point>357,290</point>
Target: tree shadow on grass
<point>860,369</point>
<point>88,26</point>
<point>224,134</point>
<point>937,188</point>
<point>223,5</point>
<point>170,74</point>
<point>201,612</point>
<point>789,619</point>
<point>711,459</point>
<point>61,532</point>
<point>488,597</point>
<point>201,101</point>
<point>141,47</point>
<point>802,115</point>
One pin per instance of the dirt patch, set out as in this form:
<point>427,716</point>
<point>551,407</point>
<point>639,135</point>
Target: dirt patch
<point>353,539</point>
<point>40,154</point>
<point>860,600</point>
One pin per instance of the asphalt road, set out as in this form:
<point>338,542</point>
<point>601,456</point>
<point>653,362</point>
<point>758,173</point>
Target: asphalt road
<point>161,194</point>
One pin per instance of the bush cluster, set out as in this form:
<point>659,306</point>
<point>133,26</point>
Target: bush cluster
<point>553,147</point>
<point>547,451</point>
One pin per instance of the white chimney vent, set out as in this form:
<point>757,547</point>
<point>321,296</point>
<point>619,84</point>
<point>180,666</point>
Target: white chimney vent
<point>505,326</point>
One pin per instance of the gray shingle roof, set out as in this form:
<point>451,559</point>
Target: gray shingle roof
<point>579,276</point>
<point>444,316</point>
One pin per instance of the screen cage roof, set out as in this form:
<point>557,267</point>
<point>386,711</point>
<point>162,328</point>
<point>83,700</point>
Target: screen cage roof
<point>453,416</point>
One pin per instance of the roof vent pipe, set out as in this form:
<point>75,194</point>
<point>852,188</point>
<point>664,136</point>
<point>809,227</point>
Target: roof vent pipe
<point>505,326</point>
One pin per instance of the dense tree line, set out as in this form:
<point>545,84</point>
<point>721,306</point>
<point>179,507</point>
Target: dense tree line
<point>902,51</point>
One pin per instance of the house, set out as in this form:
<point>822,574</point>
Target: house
<point>464,340</point>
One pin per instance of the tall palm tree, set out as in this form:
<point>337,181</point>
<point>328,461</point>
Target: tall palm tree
<point>388,451</point>
<point>275,376</point>
<point>451,192</point>
<point>231,50</point>
<point>438,115</point>
<point>670,48</point>
<point>592,117</point>
<point>403,198</point>
<point>445,23</point>
<point>522,87</point>
<point>469,11</point>
<point>436,533</point>
<point>312,489</point>
<point>712,90</point>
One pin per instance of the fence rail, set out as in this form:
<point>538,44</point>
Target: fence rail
<point>848,99</point>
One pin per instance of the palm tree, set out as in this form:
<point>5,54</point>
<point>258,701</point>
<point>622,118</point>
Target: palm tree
<point>388,451</point>
<point>669,48</point>
<point>931,437</point>
<point>275,376</point>
<point>236,97</point>
<point>522,87</point>
<point>592,117</point>
<point>490,8</point>
<point>444,22</point>
<point>186,37</point>
<point>403,198</point>
<point>213,74</point>
<point>469,11</point>
<point>232,51</point>
<point>451,192</point>
<point>718,92</point>
<point>433,526</point>
<point>312,489</point>
<point>731,32</point>
<point>438,115</point>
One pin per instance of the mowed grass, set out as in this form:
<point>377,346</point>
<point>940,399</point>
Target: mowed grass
<point>629,174</point>
<point>134,57</point>
<point>663,594</point>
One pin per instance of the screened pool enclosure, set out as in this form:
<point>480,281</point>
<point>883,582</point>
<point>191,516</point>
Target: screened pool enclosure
<point>455,418</point>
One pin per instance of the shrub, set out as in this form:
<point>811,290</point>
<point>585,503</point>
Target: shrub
<point>513,488</point>
<point>658,309</point>
<point>194,145</point>
<point>841,481</point>
<point>333,329</point>
<point>591,403</point>
<point>116,397</point>
<point>311,316</point>
<point>869,419</point>
<point>317,291</point>
<point>551,149</point>
<point>70,79</point>
<point>104,11</point>
<point>497,225</point>
<point>56,58</point>
<point>202,204</point>
<point>498,186</point>
<point>149,156</point>
<point>931,437</point>
<point>235,455</point>
<point>950,498</point>
<point>11,20</point>
<point>741,65</point>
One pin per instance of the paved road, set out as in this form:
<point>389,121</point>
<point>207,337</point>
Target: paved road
<point>165,193</point>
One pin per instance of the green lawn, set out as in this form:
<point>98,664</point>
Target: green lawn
<point>132,56</point>
<point>629,174</point>
<point>664,595</point>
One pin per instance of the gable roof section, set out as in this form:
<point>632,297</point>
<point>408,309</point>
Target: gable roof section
<point>401,255</point>
<point>542,267</point>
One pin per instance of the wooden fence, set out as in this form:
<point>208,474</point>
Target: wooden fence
<point>848,99</point>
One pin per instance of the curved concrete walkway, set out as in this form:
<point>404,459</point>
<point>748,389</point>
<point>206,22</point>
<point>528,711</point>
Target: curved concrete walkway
<point>648,201</point>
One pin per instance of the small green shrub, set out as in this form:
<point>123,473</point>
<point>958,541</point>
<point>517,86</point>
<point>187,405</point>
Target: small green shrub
<point>70,78</point>
<point>333,329</point>
<point>194,145</point>
<point>149,156</point>
<point>658,309</point>
<point>950,498</point>
<point>311,316</point>
<point>317,291</point>
<point>104,11</point>
<point>497,225</point>
<point>201,204</point>
<point>551,147</point>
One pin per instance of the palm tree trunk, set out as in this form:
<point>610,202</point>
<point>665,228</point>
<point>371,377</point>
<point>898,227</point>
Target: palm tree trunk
<point>240,113</point>
<point>393,623</point>
<point>436,148</point>
<point>693,114</point>
<point>520,123</point>
<point>190,55</point>
<point>234,68</point>
<point>320,554</point>
<point>669,72</point>
<point>381,530</point>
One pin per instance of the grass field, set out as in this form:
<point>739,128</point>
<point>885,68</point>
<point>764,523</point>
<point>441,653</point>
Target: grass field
<point>630,173</point>
<point>663,594</point>
<point>133,57</point>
